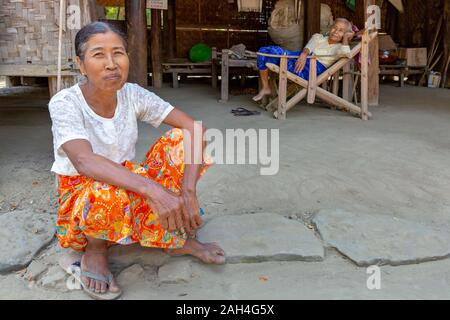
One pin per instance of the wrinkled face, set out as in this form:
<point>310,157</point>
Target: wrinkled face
<point>105,62</point>
<point>338,30</point>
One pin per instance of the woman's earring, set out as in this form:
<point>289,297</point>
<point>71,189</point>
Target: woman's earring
<point>83,79</point>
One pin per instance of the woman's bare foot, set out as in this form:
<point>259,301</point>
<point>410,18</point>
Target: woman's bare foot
<point>264,92</point>
<point>96,261</point>
<point>207,252</point>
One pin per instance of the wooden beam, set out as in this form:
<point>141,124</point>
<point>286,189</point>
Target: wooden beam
<point>328,97</point>
<point>137,40</point>
<point>336,83</point>
<point>32,70</point>
<point>224,96</point>
<point>446,37</point>
<point>156,49</point>
<point>282,89</point>
<point>312,18</point>
<point>365,75</point>
<point>172,29</point>
<point>312,84</point>
<point>374,73</point>
<point>361,13</point>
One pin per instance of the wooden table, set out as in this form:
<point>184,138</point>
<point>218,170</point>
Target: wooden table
<point>184,66</point>
<point>223,59</point>
<point>401,70</point>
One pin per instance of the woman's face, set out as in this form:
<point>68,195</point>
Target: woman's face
<point>337,31</point>
<point>105,63</point>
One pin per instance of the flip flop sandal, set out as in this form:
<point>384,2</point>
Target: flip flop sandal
<point>244,112</point>
<point>240,109</point>
<point>71,263</point>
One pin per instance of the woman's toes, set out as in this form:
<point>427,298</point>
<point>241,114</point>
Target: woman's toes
<point>86,282</point>
<point>98,287</point>
<point>92,285</point>
<point>218,249</point>
<point>219,259</point>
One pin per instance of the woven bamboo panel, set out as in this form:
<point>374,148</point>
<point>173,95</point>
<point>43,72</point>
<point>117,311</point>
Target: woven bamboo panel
<point>29,32</point>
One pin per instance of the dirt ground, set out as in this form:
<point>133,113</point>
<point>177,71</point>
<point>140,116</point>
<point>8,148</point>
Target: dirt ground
<point>396,164</point>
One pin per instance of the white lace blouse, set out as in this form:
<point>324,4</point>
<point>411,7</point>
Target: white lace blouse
<point>113,138</point>
<point>319,45</point>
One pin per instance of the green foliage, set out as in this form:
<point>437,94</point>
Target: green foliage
<point>115,13</point>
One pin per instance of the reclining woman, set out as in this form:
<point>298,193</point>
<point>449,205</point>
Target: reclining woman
<point>104,198</point>
<point>327,48</point>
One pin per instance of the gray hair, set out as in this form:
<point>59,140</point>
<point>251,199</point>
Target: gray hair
<point>348,23</point>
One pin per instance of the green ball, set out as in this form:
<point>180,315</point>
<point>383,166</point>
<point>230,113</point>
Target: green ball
<point>200,53</point>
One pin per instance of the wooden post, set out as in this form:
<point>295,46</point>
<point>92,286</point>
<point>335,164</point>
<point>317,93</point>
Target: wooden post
<point>347,83</point>
<point>374,73</point>
<point>282,89</point>
<point>361,13</point>
<point>446,37</point>
<point>165,33</point>
<point>225,75</point>
<point>93,10</point>
<point>374,66</point>
<point>365,75</point>
<point>172,29</point>
<point>312,18</point>
<point>312,82</point>
<point>156,49</point>
<point>62,8</point>
<point>137,40</point>
<point>336,83</point>
<point>214,68</point>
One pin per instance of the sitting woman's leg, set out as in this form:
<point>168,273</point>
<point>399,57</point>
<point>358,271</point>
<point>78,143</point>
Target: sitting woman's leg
<point>169,173</point>
<point>263,71</point>
<point>95,260</point>
<point>93,215</point>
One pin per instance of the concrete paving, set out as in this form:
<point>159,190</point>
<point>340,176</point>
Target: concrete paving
<point>369,239</point>
<point>245,238</point>
<point>391,172</point>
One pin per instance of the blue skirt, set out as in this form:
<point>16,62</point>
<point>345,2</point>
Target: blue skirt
<point>262,60</point>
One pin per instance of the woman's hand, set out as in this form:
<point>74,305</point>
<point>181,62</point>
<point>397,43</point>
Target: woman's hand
<point>301,62</point>
<point>348,37</point>
<point>192,211</point>
<point>169,208</point>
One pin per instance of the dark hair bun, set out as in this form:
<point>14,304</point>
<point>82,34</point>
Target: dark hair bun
<point>92,29</point>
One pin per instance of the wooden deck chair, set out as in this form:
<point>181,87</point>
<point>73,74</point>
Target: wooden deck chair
<point>312,88</point>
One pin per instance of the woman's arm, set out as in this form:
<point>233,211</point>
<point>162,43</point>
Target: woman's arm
<point>193,162</point>
<point>166,205</point>
<point>309,48</point>
<point>301,61</point>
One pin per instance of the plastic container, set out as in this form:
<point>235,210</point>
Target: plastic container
<point>434,79</point>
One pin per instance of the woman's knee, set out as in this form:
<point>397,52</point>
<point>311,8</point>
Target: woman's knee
<point>174,134</point>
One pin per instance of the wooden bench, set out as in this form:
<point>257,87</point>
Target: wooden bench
<point>401,71</point>
<point>184,66</point>
<point>68,75</point>
<point>224,60</point>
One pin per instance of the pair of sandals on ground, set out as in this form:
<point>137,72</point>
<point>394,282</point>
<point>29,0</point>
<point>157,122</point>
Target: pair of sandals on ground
<point>244,112</point>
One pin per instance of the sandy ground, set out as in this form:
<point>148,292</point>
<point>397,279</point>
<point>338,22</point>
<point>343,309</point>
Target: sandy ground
<point>396,164</point>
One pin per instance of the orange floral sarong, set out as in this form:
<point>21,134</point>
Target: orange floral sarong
<point>102,211</point>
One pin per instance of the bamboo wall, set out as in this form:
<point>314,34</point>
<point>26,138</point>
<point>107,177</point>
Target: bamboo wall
<point>223,14</point>
<point>223,26</point>
<point>29,31</point>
